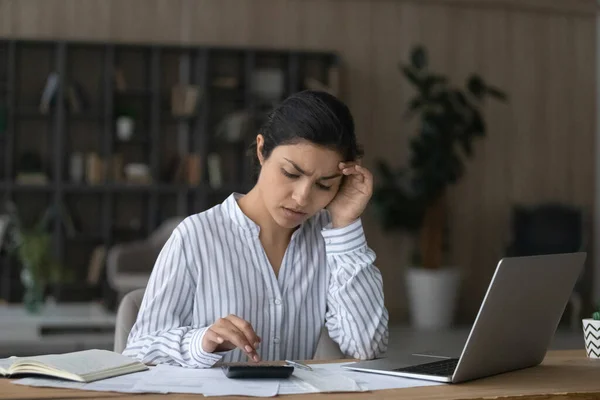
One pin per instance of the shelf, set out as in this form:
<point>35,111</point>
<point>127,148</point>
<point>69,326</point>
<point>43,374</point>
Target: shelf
<point>161,188</point>
<point>127,187</point>
<point>85,238</point>
<point>20,187</point>
<point>134,93</point>
<point>167,117</point>
<point>31,113</point>
<point>132,142</point>
<point>85,116</point>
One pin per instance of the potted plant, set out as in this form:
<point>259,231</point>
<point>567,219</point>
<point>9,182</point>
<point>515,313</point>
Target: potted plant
<point>591,334</point>
<point>413,198</point>
<point>33,249</point>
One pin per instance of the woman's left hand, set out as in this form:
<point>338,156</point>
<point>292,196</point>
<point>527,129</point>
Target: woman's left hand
<point>353,196</point>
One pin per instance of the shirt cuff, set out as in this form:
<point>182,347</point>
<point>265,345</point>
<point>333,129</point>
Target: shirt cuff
<point>198,353</point>
<point>344,240</point>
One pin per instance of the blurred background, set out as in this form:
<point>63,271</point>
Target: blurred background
<point>120,118</point>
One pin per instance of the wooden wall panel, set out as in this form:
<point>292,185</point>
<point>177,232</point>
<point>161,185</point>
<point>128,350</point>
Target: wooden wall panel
<point>542,52</point>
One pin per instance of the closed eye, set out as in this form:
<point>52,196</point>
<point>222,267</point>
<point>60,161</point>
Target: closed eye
<point>291,176</point>
<point>294,176</point>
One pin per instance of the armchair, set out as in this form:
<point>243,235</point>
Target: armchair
<point>128,265</point>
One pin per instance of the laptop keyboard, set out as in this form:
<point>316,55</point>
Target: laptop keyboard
<point>438,368</point>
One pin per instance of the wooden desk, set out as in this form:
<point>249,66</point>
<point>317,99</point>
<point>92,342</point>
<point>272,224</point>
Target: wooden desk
<point>565,374</point>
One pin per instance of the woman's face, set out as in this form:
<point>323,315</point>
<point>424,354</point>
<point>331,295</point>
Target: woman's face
<point>298,180</point>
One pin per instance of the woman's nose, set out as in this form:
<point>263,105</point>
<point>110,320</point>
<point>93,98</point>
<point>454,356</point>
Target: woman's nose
<point>301,194</point>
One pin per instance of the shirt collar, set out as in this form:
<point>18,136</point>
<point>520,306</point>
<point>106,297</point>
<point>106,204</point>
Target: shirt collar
<point>232,209</point>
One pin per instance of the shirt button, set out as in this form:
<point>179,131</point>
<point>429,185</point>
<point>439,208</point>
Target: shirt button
<point>277,301</point>
<point>276,340</point>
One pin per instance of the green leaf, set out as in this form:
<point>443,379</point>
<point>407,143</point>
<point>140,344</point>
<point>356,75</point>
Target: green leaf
<point>596,315</point>
<point>384,170</point>
<point>496,93</point>
<point>412,77</point>
<point>476,86</point>
<point>418,58</point>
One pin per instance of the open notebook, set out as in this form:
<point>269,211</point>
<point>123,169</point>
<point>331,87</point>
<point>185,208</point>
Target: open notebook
<point>80,366</point>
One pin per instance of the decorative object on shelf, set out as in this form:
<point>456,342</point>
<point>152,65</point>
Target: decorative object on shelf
<point>226,82</point>
<point>119,80</point>
<point>30,170</point>
<point>235,126</point>
<point>184,100</point>
<point>187,170</point>
<point>94,169</point>
<point>268,84</point>
<point>125,123</point>
<point>414,198</point>
<point>591,334</point>
<point>33,248</point>
<point>215,174</point>
<point>194,169</point>
<point>137,173</point>
<point>49,92</point>
<point>76,167</point>
<point>117,168</point>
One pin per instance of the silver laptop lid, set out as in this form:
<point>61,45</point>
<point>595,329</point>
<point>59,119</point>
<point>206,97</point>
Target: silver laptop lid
<point>519,314</point>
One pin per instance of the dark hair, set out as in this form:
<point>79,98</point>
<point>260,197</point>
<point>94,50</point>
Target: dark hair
<point>314,116</point>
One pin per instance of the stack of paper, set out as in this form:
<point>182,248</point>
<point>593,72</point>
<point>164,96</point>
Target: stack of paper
<point>209,382</point>
<point>213,382</point>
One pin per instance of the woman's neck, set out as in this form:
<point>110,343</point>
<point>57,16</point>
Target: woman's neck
<point>253,206</point>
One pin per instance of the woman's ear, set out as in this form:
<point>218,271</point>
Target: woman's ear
<point>260,142</point>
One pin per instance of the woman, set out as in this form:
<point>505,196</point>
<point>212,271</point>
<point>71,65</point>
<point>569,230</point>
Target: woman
<point>258,275</point>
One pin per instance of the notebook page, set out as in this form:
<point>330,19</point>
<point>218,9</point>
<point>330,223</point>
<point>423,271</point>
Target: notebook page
<point>5,363</point>
<point>83,362</point>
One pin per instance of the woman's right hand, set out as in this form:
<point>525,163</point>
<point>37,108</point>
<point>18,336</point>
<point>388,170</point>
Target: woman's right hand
<point>231,332</point>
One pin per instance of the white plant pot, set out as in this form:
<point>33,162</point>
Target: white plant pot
<point>125,126</point>
<point>591,334</point>
<point>432,296</point>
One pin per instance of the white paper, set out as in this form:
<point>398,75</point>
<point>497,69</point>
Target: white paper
<point>123,383</point>
<point>324,380</point>
<point>5,364</point>
<point>370,381</point>
<point>207,381</point>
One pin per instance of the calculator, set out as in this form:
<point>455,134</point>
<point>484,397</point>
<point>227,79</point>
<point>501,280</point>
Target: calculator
<point>258,371</point>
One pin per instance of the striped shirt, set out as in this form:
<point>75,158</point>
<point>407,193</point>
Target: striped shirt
<point>214,265</point>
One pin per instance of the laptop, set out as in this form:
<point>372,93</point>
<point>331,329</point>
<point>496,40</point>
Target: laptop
<point>513,329</point>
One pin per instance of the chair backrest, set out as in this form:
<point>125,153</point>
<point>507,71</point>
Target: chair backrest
<point>327,349</point>
<point>126,316</point>
<point>546,228</point>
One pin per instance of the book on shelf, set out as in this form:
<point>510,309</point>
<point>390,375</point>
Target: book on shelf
<point>80,366</point>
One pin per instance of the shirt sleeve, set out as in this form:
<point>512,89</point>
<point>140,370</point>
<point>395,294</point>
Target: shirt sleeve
<point>163,331</point>
<point>356,316</point>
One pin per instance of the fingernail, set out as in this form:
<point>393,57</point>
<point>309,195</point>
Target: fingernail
<point>248,349</point>
<point>255,358</point>
<point>220,339</point>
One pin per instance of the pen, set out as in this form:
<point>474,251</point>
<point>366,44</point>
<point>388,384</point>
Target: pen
<point>299,365</point>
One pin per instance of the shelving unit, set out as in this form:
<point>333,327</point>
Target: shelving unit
<point>110,211</point>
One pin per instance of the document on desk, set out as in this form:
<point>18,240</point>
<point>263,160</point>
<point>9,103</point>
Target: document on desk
<point>370,382</point>
<point>124,383</point>
<point>206,381</point>
<point>319,380</point>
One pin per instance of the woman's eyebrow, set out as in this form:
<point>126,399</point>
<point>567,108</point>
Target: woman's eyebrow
<point>297,167</point>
